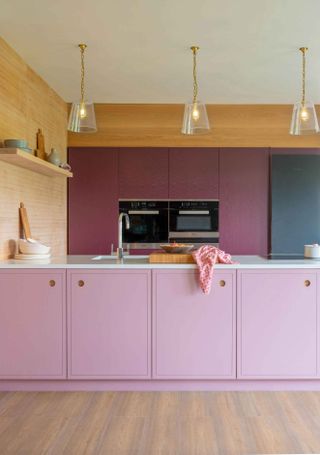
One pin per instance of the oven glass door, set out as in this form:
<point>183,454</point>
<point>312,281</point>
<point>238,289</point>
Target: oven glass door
<point>146,227</point>
<point>148,222</point>
<point>195,219</point>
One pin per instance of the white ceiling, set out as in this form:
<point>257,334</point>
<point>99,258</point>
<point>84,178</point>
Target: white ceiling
<point>138,50</point>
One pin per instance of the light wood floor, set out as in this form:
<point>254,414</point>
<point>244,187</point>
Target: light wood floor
<point>164,423</point>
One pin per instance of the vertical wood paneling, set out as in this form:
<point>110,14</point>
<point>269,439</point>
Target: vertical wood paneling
<point>28,103</point>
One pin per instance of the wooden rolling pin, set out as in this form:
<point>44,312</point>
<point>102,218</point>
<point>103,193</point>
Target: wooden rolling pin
<point>25,221</point>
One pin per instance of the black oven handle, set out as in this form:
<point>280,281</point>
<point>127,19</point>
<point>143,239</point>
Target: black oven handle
<point>143,212</point>
<point>193,234</point>
<point>194,212</point>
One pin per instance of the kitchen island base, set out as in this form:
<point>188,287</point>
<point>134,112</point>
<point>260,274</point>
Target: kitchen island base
<point>136,326</point>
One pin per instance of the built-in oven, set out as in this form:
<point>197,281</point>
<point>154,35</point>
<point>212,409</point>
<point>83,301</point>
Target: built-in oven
<point>149,223</point>
<point>194,222</point>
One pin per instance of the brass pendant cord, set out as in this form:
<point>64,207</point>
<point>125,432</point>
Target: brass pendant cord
<point>303,99</point>
<point>195,81</point>
<point>82,49</point>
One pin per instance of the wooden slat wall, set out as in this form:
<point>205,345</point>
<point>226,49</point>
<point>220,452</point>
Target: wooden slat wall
<point>159,125</point>
<point>28,103</point>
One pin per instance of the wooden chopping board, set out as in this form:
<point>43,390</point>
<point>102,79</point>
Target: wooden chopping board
<point>171,258</point>
<point>41,152</point>
<point>25,221</point>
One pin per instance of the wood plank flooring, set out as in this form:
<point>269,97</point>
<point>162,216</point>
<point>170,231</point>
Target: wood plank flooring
<point>159,423</point>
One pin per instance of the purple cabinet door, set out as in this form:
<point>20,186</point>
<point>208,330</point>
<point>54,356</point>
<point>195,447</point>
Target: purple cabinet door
<point>32,324</point>
<point>244,187</point>
<point>143,173</point>
<point>109,324</point>
<point>193,334</point>
<point>193,173</point>
<point>93,200</point>
<point>277,324</point>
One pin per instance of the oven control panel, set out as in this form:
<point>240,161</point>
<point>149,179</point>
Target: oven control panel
<point>194,205</point>
<point>142,205</point>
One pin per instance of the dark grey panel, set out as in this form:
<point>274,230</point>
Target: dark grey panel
<point>295,193</point>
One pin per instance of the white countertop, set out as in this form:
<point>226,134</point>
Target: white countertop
<point>142,262</point>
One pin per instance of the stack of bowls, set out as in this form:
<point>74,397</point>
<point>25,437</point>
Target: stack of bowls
<point>18,144</point>
<point>32,250</point>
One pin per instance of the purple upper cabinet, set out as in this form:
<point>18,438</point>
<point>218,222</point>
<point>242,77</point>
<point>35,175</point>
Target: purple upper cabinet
<point>143,173</point>
<point>93,200</point>
<point>194,173</point>
<point>244,187</point>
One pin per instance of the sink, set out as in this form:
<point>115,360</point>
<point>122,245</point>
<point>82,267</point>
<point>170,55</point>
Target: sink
<point>102,258</point>
<point>113,259</point>
<point>109,257</point>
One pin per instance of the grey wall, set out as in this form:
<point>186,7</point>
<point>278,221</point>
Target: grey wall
<point>295,198</point>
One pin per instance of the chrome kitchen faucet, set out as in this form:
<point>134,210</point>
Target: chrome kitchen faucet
<point>120,247</point>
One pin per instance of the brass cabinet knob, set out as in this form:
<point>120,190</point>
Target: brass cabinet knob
<point>81,283</point>
<point>222,283</point>
<point>52,283</point>
<point>307,283</point>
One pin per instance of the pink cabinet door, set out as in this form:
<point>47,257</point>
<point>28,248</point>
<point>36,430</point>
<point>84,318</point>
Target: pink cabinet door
<point>193,333</point>
<point>244,187</point>
<point>194,173</point>
<point>93,200</point>
<point>109,324</point>
<point>143,173</point>
<point>32,324</point>
<point>277,324</point>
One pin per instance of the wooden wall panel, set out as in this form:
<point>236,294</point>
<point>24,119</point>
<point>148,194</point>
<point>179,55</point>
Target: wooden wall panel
<point>28,103</point>
<point>159,125</point>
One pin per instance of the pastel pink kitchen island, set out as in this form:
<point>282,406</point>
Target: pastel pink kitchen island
<point>79,324</point>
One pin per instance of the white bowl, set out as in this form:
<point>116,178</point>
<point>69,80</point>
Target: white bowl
<point>32,257</point>
<point>26,247</point>
<point>312,251</point>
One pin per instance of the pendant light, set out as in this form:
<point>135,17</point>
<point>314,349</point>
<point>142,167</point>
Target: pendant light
<point>82,118</point>
<point>195,118</point>
<point>304,118</point>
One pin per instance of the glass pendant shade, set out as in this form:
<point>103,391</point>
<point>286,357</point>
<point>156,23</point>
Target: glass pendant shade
<point>304,119</point>
<point>82,118</point>
<point>195,119</point>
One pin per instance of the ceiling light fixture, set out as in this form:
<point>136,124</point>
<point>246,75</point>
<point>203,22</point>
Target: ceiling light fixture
<point>82,118</point>
<point>195,118</point>
<point>304,118</point>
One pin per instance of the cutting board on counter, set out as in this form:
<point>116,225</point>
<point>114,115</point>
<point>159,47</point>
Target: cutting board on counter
<point>171,258</point>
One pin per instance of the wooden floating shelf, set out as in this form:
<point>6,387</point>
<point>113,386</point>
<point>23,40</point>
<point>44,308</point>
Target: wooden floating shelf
<point>24,159</point>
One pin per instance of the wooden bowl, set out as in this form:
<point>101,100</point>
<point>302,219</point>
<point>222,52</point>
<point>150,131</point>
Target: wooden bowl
<point>177,248</point>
